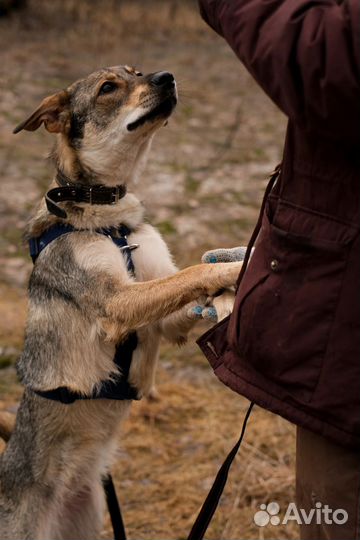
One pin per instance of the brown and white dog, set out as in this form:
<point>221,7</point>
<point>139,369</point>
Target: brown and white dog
<point>84,301</point>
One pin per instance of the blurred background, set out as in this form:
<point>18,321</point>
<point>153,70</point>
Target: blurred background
<point>202,187</point>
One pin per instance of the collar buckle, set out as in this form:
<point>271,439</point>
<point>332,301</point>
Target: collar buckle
<point>129,247</point>
<point>116,195</point>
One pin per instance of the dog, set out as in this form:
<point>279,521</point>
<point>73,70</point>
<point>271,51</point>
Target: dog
<point>84,301</point>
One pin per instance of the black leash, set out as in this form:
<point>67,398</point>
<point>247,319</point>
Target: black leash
<point>212,500</point>
<point>208,508</point>
<point>114,508</point>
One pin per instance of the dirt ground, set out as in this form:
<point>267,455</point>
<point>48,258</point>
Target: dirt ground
<point>202,188</point>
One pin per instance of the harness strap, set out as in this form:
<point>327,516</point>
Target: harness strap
<point>118,388</point>
<point>117,234</point>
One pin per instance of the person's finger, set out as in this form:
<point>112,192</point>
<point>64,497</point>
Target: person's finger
<point>195,312</point>
<point>224,255</point>
<point>209,314</point>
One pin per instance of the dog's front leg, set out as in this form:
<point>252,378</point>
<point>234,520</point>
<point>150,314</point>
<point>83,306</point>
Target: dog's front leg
<point>135,305</point>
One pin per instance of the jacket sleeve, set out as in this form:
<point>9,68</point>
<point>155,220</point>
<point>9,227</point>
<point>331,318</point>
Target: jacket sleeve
<point>305,54</point>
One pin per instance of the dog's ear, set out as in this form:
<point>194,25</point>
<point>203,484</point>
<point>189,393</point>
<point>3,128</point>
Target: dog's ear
<point>53,111</point>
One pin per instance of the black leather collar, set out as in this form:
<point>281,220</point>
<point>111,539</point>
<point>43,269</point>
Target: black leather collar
<point>69,191</point>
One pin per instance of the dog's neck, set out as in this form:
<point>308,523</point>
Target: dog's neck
<point>127,211</point>
<point>80,167</point>
<point>101,165</point>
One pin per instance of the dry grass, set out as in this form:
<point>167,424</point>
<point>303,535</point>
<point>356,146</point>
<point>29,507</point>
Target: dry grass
<point>172,449</point>
<point>203,185</point>
<point>12,315</point>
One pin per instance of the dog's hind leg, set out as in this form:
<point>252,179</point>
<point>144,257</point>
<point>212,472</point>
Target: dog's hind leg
<point>153,393</point>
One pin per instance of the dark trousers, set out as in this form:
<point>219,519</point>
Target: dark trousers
<point>327,474</point>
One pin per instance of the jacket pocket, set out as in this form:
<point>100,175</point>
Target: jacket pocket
<point>287,300</point>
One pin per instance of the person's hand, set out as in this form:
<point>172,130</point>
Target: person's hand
<point>235,254</point>
<point>215,308</point>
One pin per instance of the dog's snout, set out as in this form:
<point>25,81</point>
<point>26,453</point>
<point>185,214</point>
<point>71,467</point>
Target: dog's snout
<point>162,78</point>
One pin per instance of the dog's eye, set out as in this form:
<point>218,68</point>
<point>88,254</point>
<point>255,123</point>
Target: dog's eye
<point>138,73</point>
<point>107,87</point>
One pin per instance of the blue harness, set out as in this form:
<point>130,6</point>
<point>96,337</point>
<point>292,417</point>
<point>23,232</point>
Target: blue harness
<point>119,388</point>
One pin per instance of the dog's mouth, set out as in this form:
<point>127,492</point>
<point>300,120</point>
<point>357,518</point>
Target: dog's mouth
<point>163,110</point>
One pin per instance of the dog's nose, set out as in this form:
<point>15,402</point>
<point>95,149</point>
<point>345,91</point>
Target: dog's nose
<point>162,78</point>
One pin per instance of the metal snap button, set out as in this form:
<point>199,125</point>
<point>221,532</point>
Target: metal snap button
<point>274,265</point>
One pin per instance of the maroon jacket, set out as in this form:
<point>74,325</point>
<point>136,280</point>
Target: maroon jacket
<point>292,344</point>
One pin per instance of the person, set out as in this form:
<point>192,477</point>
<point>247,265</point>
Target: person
<point>292,342</point>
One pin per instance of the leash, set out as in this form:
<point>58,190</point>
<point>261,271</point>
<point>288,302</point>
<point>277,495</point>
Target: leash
<point>273,177</point>
<point>211,502</point>
<point>114,508</point>
<point>208,508</point>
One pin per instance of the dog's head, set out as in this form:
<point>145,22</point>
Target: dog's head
<point>105,121</point>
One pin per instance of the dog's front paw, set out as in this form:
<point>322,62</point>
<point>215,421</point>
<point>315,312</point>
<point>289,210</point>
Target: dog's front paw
<point>224,303</point>
<point>221,276</point>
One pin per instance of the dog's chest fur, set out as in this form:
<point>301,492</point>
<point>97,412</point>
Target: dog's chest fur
<point>72,277</point>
